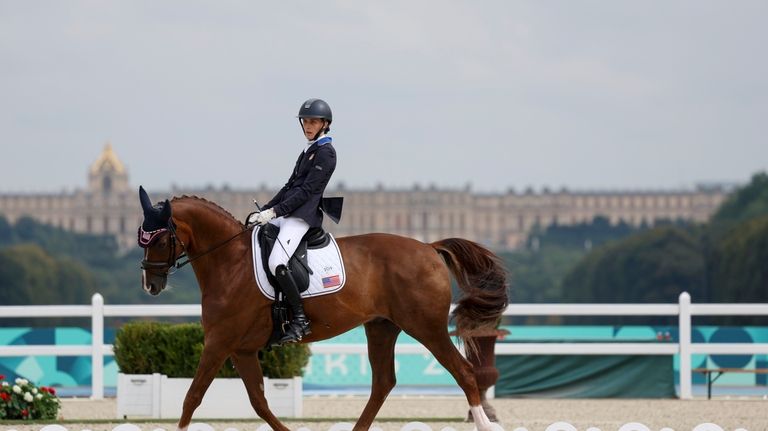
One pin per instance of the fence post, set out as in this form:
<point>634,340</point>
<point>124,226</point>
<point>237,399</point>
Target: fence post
<point>97,347</point>
<point>684,326</point>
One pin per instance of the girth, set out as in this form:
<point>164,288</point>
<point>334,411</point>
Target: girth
<point>315,237</point>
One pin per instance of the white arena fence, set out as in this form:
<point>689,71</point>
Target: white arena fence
<point>684,310</point>
<point>411,426</point>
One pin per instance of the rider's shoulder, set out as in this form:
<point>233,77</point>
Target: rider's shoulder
<point>326,149</point>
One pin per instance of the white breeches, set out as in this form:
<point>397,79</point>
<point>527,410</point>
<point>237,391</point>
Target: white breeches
<point>292,229</point>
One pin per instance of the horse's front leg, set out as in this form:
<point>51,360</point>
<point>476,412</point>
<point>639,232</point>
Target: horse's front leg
<point>249,368</point>
<point>211,360</point>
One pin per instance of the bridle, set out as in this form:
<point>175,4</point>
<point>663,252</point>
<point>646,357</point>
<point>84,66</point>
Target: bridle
<point>147,238</point>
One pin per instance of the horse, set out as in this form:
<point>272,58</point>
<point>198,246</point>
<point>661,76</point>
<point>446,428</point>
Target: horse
<point>394,284</point>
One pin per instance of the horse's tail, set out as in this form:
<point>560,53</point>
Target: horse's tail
<point>482,278</point>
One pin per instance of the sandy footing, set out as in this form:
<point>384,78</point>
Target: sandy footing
<point>440,412</point>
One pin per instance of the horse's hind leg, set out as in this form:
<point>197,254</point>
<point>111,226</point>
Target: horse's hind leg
<point>381,335</point>
<point>439,343</point>
<point>249,368</point>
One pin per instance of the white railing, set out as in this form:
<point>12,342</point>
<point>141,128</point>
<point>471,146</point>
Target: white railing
<point>683,309</point>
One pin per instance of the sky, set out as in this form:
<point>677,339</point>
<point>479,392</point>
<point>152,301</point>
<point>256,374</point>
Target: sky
<point>587,95</point>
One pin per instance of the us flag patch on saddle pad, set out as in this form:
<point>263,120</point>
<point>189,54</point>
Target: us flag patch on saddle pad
<point>331,281</point>
<point>327,266</point>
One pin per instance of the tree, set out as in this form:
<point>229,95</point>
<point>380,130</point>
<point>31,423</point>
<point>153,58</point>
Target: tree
<point>6,231</point>
<point>582,235</point>
<point>747,202</point>
<point>29,275</point>
<point>655,266</point>
<point>77,266</point>
<point>739,263</point>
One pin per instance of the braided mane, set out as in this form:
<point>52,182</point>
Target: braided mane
<point>212,205</point>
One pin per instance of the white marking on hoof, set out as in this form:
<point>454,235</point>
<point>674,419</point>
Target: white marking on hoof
<point>482,423</point>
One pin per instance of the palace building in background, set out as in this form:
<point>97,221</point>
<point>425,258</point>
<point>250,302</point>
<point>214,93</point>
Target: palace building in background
<point>502,221</point>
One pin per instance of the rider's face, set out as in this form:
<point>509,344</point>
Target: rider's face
<point>312,126</point>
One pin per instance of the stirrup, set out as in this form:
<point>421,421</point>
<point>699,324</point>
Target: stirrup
<point>296,332</point>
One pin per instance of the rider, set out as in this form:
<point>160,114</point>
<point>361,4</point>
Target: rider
<point>296,207</point>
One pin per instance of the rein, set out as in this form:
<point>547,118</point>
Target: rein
<point>174,262</point>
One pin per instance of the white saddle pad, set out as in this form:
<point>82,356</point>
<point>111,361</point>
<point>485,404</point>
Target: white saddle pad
<point>326,264</point>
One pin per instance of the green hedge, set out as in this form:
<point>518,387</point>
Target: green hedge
<point>174,350</point>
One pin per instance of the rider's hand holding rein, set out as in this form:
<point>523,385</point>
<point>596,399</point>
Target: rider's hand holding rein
<point>261,218</point>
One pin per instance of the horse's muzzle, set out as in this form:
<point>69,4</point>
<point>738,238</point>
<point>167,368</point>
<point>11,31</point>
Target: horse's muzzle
<point>153,284</point>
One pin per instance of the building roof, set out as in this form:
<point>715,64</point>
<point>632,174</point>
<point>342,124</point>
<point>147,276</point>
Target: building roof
<point>107,161</point>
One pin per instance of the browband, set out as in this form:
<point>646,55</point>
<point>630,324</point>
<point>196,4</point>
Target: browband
<point>147,238</point>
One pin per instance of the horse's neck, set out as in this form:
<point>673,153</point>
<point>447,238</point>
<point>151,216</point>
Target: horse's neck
<point>222,248</point>
<point>208,227</point>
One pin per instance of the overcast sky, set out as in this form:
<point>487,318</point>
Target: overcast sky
<point>498,94</point>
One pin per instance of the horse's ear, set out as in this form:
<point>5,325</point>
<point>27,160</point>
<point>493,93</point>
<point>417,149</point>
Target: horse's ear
<point>146,203</point>
<point>166,212</point>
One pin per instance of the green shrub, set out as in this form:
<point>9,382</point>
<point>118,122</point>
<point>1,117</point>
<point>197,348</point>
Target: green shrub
<point>174,350</point>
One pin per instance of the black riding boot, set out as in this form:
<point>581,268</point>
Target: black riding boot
<point>299,326</point>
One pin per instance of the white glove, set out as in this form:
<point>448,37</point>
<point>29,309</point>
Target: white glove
<point>261,218</point>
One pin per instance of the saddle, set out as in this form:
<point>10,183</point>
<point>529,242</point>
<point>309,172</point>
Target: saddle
<point>315,237</point>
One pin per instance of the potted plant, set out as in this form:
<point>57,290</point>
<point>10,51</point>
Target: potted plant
<point>24,400</point>
<point>157,362</point>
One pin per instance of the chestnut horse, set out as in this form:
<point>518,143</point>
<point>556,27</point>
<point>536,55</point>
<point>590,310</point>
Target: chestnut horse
<point>393,284</point>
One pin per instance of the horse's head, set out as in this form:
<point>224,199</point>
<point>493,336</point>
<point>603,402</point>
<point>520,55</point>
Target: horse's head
<point>157,236</point>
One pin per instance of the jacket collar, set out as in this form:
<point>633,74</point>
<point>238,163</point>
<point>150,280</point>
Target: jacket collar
<point>314,145</point>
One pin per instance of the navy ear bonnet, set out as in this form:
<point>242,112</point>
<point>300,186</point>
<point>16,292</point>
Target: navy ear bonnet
<point>156,219</point>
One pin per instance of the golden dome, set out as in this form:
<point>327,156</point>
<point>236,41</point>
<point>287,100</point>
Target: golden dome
<point>107,161</point>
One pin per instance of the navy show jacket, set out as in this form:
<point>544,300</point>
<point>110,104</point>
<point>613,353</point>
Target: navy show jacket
<point>302,194</point>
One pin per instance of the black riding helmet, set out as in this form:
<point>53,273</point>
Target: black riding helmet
<point>316,108</point>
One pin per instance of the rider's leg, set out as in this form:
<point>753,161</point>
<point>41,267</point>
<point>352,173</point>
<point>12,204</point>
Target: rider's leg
<point>292,229</point>
<point>299,326</point>
<point>291,232</point>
